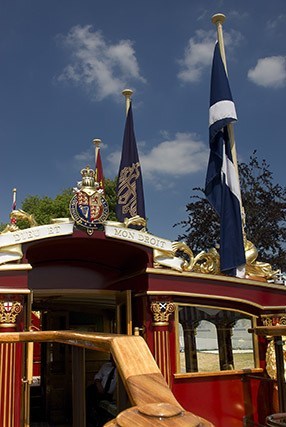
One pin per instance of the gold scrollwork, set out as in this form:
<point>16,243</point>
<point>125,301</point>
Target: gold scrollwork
<point>135,220</point>
<point>271,359</point>
<point>161,312</point>
<point>256,268</point>
<point>209,262</point>
<point>276,319</point>
<point>273,319</point>
<point>21,215</point>
<point>9,311</point>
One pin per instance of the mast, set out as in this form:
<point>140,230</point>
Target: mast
<point>218,19</point>
<point>96,142</point>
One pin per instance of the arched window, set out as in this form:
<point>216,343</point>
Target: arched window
<point>213,339</point>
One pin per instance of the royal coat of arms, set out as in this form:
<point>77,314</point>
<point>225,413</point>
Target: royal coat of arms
<point>88,207</point>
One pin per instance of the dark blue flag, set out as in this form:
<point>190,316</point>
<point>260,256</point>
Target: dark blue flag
<point>130,196</point>
<point>222,184</point>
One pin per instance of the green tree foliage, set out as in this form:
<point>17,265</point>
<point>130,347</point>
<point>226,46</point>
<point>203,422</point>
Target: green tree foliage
<point>46,208</point>
<point>110,194</point>
<point>265,208</point>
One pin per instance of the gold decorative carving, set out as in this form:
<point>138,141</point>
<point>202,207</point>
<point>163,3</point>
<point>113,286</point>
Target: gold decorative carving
<point>136,220</point>
<point>21,215</point>
<point>204,262</point>
<point>256,268</point>
<point>9,311</point>
<point>271,359</point>
<point>161,312</point>
<point>273,319</point>
<point>209,262</point>
<point>276,319</point>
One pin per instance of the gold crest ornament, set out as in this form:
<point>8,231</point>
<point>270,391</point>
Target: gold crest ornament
<point>88,207</point>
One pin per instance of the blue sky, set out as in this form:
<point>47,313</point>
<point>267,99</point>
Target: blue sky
<point>63,65</point>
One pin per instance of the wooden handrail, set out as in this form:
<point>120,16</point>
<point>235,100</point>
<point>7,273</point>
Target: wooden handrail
<point>143,380</point>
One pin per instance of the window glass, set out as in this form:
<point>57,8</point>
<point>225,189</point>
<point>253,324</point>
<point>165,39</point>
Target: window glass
<point>207,347</point>
<point>242,344</point>
<point>213,339</point>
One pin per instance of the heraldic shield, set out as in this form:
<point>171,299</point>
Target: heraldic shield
<point>88,207</point>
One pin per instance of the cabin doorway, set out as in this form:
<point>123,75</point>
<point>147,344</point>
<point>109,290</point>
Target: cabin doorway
<point>51,395</point>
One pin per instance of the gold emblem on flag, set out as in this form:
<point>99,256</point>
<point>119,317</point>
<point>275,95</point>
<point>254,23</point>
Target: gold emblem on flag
<point>127,195</point>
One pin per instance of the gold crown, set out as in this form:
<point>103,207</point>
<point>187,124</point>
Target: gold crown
<point>87,176</point>
<point>87,171</point>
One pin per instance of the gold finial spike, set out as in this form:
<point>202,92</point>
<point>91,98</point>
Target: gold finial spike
<point>96,142</point>
<point>14,196</point>
<point>218,19</point>
<point>127,93</point>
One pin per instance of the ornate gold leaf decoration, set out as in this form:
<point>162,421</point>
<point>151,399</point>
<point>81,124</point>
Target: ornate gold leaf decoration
<point>209,262</point>
<point>273,319</point>
<point>271,360</point>
<point>161,312</point>
<point>21,215</point>
<point>135,220</point>
<point>204,262</point>
<point>9,311</point>
<point>257,268</point>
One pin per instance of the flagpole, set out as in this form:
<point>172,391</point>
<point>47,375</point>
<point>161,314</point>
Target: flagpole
<point>14,198</point>
<point>218,19</point>
<point>96,142</point>
<point>14,201</point>
<point>127,93</point>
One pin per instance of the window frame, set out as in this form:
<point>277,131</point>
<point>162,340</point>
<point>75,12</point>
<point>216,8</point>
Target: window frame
<point>252,317</point>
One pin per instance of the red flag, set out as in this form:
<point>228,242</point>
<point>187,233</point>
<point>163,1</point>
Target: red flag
<point>99,171</point>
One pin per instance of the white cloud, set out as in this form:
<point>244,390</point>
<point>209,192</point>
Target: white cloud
<point>199,51</point>
<point>85,157</point>
<point>269,72</point>
<point>182,155</point>
<point>238,15</point>
<point>272,24</point>
<point>103,69</point>
<point>197,56</point>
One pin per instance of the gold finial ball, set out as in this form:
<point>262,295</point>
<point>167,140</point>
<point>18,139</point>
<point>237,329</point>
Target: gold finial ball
<point>218,18</point>
<point>14,190</point>
<point>127,92</point>
<point>96,142</point>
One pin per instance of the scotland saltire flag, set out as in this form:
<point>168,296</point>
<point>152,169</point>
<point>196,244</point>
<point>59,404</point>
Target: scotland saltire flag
<point>222,185</point>
<point>130,196</point>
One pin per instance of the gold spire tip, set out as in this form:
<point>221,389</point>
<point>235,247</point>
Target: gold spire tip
<point>218,18</point>
<point>127,92</point>
<point>96,142</point>
<point>14,190</point>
